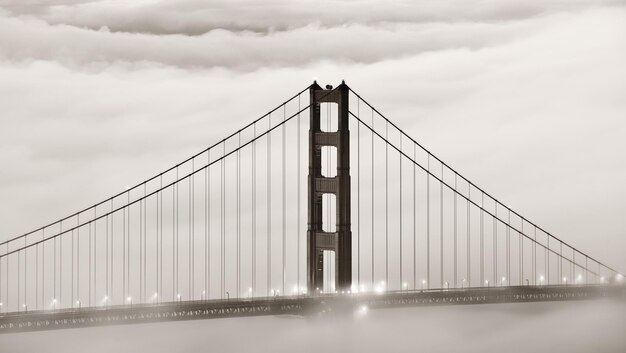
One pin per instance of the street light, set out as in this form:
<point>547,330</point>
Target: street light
<point>541,279</point>
<point>503,280</point>
<point>565,280</point>
<point>362,310</point>
<point>78,304</point>
<point>423,283</point>
<point>487,283</point>
<point>463,283</point>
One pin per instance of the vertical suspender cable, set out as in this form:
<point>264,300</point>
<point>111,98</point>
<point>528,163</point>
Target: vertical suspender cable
<point>157,258</point>
<point>560,262</point>
<point>495,242</point>
<point>386,203</point>
<point>177,246</point>
<point>77,258</point>
<point>428,221</point>
<point>284,200</point>
<point>223,228</point>
<point>90,243</point>
<point>95,259</point>
<point>508,245</point>
<point>441,228</point>
<point>1,277</point>
<point>174,239</point>
<point>521,254</point>
<point>546,264</point>
<point>128,247</point>
<point>124,255</point>
<point>160,249</point>
<point>298,201</point>
<point>208,235</point>
<point>109,274</point>
<point>206,229</point>
<point>43,270</point>
<point>72,297</point>
<point>269,205</point>
<point>60,270</point>
<point>37,277</point>
<point>400,209</point>
<point>414,220</point>
<point>469,263</point>
<point>372,247</point>
<point>535,256</point>
<point>253,264</point>
<point>190,268</point>
<point>482,238</point>
<point>141,254</point>
<point>18,279</point>
<point>586,270</point>
<point>358,195</point>
<point>455,230</point>
<point>239,216</point>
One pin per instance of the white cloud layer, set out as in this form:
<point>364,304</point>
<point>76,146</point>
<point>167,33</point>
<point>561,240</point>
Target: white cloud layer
<point>525,98</point>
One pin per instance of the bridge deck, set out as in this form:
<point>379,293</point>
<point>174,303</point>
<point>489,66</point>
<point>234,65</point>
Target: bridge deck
<point>295,305</point>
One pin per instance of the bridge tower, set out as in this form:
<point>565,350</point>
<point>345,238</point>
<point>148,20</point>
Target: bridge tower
<point>340,241</point>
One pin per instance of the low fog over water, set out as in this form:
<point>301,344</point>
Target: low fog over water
<point>584,326</point>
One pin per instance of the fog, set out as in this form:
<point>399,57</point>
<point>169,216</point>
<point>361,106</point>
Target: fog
<point>525,98</point>
<point>585,326</point>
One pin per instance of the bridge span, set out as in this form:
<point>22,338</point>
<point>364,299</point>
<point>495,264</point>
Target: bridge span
<point>231,230</point>
<point>300,305</point>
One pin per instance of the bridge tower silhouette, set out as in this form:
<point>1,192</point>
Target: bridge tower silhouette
<point>339,242</point>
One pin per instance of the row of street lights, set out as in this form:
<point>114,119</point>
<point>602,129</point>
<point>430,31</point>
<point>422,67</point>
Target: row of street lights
<point>380,288</point>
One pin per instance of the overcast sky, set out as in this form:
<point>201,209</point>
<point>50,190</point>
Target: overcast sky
<point>525,98</point>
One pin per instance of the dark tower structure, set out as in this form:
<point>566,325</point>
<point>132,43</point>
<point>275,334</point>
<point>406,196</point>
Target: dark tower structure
<point>340,241</point>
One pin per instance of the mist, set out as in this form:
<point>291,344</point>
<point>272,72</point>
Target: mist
<point>526,99</point>
<point>577,326</point>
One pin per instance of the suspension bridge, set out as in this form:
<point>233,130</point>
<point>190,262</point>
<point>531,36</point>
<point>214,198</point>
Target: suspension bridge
<point>321,206</point>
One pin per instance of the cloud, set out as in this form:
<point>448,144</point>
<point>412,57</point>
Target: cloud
<point>26,39</point>
<point>194,17</point>
<point>526,100</point>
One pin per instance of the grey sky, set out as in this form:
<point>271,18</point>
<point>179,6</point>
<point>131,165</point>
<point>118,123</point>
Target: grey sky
<point>527,99</point>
